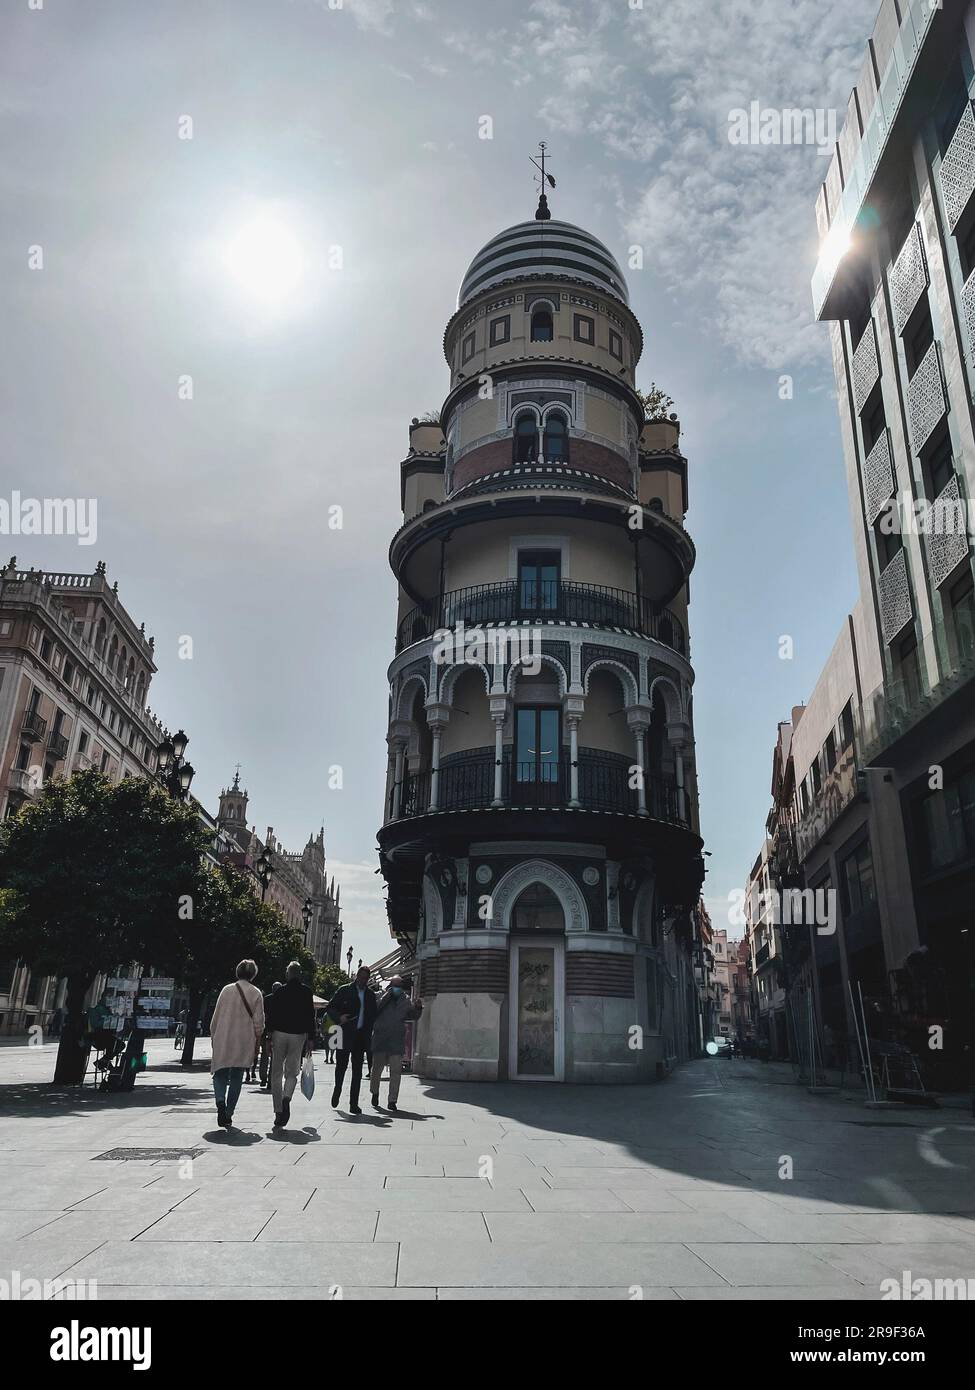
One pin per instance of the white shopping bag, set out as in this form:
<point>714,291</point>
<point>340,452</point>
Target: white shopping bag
<point>308,1077</point>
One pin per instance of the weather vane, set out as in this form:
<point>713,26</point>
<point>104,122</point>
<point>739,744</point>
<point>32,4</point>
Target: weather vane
<point>542,178</point>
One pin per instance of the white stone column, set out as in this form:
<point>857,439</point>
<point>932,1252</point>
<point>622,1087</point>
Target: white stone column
<point>499,705</point>
<point>399,736</point>
<point>638,722</point>
<point>678,736</point>
<point>438,717</point>
<point>573,708</point>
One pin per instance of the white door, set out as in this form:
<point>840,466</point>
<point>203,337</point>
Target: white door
<point>536,999</point>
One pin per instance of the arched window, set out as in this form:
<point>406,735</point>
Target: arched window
<point>543,330</point>
<point>556,439</point>
<point>526,439</point>
<point>537,909</point>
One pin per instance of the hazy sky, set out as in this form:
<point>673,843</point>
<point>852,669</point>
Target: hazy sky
<point>318,125</point>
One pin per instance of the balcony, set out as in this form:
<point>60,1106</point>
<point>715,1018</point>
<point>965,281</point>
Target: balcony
<point>34,727</point>
<point>21,782</point>
<point>926,400</point>
<point>57,747</point>
<point>958,168</point>
<point>557,601</point>
<point>892,710</point>
<point>466,783</point>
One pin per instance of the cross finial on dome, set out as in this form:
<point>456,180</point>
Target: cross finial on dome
<point>542,213</point>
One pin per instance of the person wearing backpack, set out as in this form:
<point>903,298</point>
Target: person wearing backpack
<point>236,1026</point>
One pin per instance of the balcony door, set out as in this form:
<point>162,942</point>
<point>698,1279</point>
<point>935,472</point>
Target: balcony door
<point>539,572</point>
<point>538,740</point>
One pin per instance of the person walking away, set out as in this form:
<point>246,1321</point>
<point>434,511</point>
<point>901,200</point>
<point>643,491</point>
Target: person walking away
<point>236,1025</point>
<point>264,1066</point>
<point>292,1028</point>
<point>329,1029</point>
<point>353,1008</point>
<point>396,1009</point>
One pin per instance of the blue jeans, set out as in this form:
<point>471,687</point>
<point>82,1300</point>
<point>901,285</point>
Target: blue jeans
<point>227,1082</point>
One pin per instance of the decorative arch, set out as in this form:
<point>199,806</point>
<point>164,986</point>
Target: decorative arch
<point>565,888</point>
<point>631,689</point>
<point>453,674</point>
<point>546,660</point>
<point>542,321</point>
<point>525,433</point>
<point>404,705</point>
<point>673,704</point>
<point>555,435</point>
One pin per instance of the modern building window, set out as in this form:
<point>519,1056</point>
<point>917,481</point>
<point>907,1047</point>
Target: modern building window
<point>543,329</point>
<point>874,424</point>
<point>829,752</point>
<point>555,440</point>
<point>467,348</point>
<point>909,668</point>
<point>946,822</point>
<point>918,343</point>
<point>500,330</point>
<point>615,345</point>
<point>889,542</point>
<point>538,581</point>
<point>962,601</point>
<point>846,725</point>
<point>526,439</point>
<point>817,776</point>
<point>966,249</point>
<point>583,328</point>
<point>857,880</point>
<point>939,465</point>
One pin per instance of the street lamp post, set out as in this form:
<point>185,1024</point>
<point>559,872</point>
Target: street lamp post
<point>307,913</point>
<point>264,869</point>
<point>348,957</point>
<point>172,769</point>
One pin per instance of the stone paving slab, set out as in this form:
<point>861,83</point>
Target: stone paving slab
<point>662,1192</point>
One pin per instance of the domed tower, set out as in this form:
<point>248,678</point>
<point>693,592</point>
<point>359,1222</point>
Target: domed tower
<point>540,841</point>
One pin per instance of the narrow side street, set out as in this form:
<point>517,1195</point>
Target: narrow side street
<point>671,1191</point>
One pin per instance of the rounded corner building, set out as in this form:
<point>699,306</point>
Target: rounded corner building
<point>540,842</point>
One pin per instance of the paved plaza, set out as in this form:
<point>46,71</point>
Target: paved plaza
<point>670,1191</point>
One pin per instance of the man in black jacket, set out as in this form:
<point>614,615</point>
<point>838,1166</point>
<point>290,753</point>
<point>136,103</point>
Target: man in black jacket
<point>353,1008</point>
<point>292,1027</point>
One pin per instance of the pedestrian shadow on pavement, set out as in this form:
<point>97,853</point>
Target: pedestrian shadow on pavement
<point>294,1136</point>
<point>41,1098</point>
<point>234,1139</point>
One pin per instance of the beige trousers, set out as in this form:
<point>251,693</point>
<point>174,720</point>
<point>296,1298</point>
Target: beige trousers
<point>395,1062</point>
<point>286,1054</point>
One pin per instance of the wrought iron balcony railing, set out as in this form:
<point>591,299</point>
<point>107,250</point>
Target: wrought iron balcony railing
<point>34,727</point>
<point>555,601</point>
<point>57,747</point>
<point>466,783</point>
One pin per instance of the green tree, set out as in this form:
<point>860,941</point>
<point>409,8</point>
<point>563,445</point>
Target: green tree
<point>226,923</point>
<point>329,978</point>
<point>94,875</point>
<point>657,405</point>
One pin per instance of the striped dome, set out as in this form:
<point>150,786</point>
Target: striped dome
<point>543,248</point>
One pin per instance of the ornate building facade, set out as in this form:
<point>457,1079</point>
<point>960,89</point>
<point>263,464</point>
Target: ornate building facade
<point>298,879</point>
<point>540,840</point>
<point>75,671</point>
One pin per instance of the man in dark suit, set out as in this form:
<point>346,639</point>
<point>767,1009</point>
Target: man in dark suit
<point>353,1008</point>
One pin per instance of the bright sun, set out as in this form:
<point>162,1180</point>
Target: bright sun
<point>265,259</point>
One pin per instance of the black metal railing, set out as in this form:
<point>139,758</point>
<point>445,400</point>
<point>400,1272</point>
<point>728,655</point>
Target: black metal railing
<point>34,727</point>
<point>57,746</point>
<point>606,782</point>
<point>531,601</point>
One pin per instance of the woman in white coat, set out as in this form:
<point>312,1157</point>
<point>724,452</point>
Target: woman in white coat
<point>235,1031</point>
